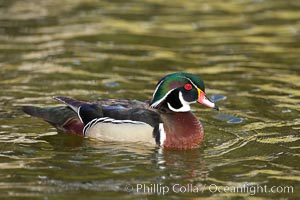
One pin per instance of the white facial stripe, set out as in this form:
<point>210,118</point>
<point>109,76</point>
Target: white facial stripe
<point>163,98</point>
<point>153,105</point>
<point>191,82</point>
<point>157,88</point>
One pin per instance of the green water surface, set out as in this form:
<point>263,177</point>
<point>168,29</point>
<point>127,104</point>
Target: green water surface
<point>247,52</point>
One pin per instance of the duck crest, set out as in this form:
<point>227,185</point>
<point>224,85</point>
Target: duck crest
<point>183,130</point>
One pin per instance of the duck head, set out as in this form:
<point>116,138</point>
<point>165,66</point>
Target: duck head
<point>175,92</point>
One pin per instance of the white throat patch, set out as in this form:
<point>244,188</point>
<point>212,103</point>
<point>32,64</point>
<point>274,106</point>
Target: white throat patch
<point>185,105</point>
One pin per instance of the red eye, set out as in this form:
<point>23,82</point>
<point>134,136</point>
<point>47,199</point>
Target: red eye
<point>188,86</point>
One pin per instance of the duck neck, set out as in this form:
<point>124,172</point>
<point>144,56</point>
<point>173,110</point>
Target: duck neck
<point>182,130</point>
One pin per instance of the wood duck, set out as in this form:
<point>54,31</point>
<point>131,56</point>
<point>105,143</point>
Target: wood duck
<point>165,121</point>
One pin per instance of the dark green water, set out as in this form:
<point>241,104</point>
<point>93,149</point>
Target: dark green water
<point>247,52</point>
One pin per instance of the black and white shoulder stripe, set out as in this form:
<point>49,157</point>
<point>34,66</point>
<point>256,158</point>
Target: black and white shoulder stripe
<point>159,134</point>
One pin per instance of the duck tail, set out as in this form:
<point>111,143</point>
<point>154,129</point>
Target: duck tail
<point>62,117</point>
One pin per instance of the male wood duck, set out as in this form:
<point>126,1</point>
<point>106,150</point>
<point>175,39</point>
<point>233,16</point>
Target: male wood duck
<point>166,120</point>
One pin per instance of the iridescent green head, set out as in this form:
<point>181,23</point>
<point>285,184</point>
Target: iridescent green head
<point>178,90</point>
